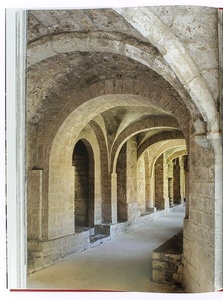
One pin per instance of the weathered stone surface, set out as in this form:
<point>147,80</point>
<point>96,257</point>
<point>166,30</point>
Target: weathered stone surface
<point>77,20</point>
<point>167,261</point>
<point>119,80</point>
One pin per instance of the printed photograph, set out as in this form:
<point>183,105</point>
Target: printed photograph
<point>123,149</point>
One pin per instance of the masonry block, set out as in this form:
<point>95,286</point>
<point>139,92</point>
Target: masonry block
<point>167,261</point>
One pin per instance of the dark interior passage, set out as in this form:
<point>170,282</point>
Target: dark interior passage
<point>84,185</point>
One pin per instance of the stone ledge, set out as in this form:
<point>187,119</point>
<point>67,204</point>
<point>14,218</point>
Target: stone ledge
<point>167,261</point>
<point>42,254</point>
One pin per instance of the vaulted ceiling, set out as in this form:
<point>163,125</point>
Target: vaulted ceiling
<point>53,79</point>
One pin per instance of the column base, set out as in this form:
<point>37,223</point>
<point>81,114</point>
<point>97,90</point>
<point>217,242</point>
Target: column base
<point>152,209</point>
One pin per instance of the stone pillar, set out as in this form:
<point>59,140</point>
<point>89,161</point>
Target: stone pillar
<point>150,194</point>
<point>159,200</point>
<point>201,227</point>
<point>149,185</point>
<point>176,182</point>
<point>182,179</point>
<point>131,179</point>
<point>34,204</point>
<point>141,189</point>
<point>170,183</point>
<point>98,194</point>
<point>106,210</point>
<point>149,199</point>
<point>114,197</point>
<point>61,202</point>
<point>165,183</point>
<point>152,205</point>
<point>122,214</point>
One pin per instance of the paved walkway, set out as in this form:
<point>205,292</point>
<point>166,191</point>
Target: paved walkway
<point>122,264</point>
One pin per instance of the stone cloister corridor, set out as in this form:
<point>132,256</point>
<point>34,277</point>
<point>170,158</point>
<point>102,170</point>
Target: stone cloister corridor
<point>121,264</point>
<point>123,130</point>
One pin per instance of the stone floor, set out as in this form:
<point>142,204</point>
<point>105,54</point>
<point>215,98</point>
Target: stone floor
<point>122,264</point>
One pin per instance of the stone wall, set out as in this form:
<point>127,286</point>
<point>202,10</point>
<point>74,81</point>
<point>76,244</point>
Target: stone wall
<point>198,35</point>
<point>199,228</point>
<point>167,261</point>
<point>42,254</point>
<point>35,205</point>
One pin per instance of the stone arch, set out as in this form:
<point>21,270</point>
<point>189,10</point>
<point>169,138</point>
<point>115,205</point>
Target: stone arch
<point>70,42</point>
<point>163,122</point>
<point>176,55</point>
<point>78,119</point>
<point>167,145</point>
<point>114,43</point>
<point>186,70</point>
<point>60,164</point>
<point>119,93</point>
<point>158,149</point>
<point>198,90</point>
<point>162,136</point>
<point>64,176</point>
<point>151,27</point>
<point>175,155</point>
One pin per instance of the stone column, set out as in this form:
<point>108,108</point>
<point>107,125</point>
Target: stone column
<point>170,183</point>
<point>106,210</point>
<point>114,197</point>
<point>182,179</point>
<point>98,196</point>
<point>159,200</point>
<point>152,204</point>
<point>141,189</point>
<point>122,214</point>
<point>165,184</point>
<point>205,242</point>
<point>131,179</point>
<point>149,185</point>
<point>61,204</point>
<point>176,182</point>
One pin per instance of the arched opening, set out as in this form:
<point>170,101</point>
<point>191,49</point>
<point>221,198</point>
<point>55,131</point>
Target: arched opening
<point>83,163</point>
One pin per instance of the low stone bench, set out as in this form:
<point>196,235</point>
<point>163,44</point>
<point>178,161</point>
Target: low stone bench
<point>167,261</point>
